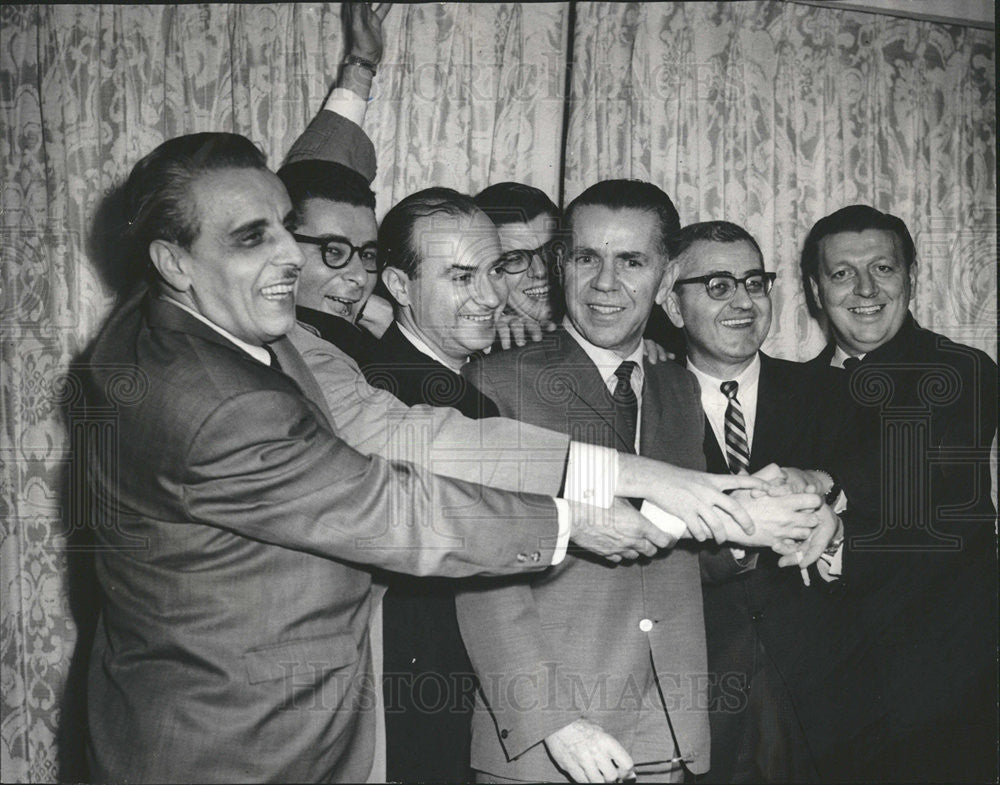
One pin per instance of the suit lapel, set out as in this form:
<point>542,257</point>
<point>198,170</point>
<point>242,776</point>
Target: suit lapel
<point>169,316</point>
<point>585,383</point>
<point>776,414</point>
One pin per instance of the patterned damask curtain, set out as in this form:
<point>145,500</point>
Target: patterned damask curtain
<point>773,115</point>
<point>766,113</point>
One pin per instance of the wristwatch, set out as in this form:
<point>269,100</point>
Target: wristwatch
<point>368,65</point>
<point>835,543</point>
<point>834,493</point>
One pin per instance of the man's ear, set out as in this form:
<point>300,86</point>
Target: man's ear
<point>398,284</point>
<point>169,259</point>
<point>815,290</point>
<point>672,305</point>
<point>670,273</point>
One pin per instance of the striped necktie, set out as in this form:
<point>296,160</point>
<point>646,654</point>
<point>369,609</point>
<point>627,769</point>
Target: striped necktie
<point>737,445</point>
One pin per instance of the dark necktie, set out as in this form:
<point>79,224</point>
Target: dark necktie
<point>850,363</point>
<point>274,358</point>
<point>626,403</point>
<point>737,444</point>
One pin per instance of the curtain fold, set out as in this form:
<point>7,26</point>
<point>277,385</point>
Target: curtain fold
<point>769,114</point>
<point>772,115</point>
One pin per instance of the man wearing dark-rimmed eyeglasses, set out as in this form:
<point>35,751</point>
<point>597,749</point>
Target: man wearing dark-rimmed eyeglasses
<point>758,410</point>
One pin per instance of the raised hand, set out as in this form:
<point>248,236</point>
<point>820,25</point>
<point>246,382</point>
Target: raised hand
<point>616,533</point>
<point>587,753</point>
<point>363,29</point>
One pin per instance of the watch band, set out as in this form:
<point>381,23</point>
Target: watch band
<point>362,62</point>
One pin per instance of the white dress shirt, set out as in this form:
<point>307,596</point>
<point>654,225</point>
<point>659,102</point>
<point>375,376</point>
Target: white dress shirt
<point>607,363</point>
<point>715,403</point>
<point>257,352</point>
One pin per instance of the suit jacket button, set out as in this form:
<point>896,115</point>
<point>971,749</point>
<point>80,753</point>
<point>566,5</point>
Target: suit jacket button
<point>536,556</point>
<point>645,625</point>
<point>757,616</point>
<point>522,557</point>
<point>504,734</point>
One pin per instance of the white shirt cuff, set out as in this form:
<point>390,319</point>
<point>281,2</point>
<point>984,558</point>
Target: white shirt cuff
<point>347,104</point>
<point>591,474</point>
<point>841,504</point>
<point>837,562</point>
<point>562,539</point>
<point>663,520</point>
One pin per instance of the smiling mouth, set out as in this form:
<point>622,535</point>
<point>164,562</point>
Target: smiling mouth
<point>866,310</point>
<point>739,322</point>
<point>605,310</point>
<point>478,318</point>
<point>537,292</point>
<point>278,291</point>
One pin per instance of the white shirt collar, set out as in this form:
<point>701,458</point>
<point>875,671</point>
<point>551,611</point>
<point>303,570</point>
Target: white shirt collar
<point>607,361</point>
<point>424,348</point>
<point>714,402</point>
<point>259,353</point>
<point>839,355</point>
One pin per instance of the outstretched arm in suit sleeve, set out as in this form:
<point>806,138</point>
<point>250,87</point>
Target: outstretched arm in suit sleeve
<point>283,477</point>
<point>498,452</point>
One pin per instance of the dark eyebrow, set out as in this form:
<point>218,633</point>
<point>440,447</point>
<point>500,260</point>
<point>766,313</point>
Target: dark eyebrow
<point>585,249</point>
<point>754,271</point>
<point>249,226</point>
<point>631,255</point>
<point>465,267</point>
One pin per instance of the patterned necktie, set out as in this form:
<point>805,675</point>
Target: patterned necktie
<point>274,358</point>
<point>737,445</point>
<point>626,403</point>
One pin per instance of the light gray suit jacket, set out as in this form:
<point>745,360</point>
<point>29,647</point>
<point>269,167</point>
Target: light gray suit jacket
<point>233,642</point>
<point>566,644</point>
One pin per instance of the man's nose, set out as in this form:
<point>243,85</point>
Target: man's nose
<point>488,292</point>
<point>741,299</point>
<point>289,252</point>
<point>355,271</point>
<point>538,269</point>
<point>865,285</point>
<point>606,279</point>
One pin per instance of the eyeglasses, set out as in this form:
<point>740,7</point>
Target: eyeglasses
<point>518,260</point>
<point>722,286</point>
<point>337,251</point>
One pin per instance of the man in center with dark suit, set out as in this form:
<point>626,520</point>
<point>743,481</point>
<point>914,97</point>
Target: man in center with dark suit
<point>590,670</point>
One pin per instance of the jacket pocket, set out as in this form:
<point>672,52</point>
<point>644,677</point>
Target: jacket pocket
<point>300,658</point>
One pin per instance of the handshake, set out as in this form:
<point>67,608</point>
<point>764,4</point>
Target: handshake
<point>781,509</point>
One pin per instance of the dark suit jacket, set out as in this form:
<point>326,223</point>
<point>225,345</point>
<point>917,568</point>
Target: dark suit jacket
<point>413,377</point>
<point>569,645</point>
<point>233,642</point>
<point>916,616</point>
<point>746,609</point>
<point>428,732</point>
<point>356,342</point>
